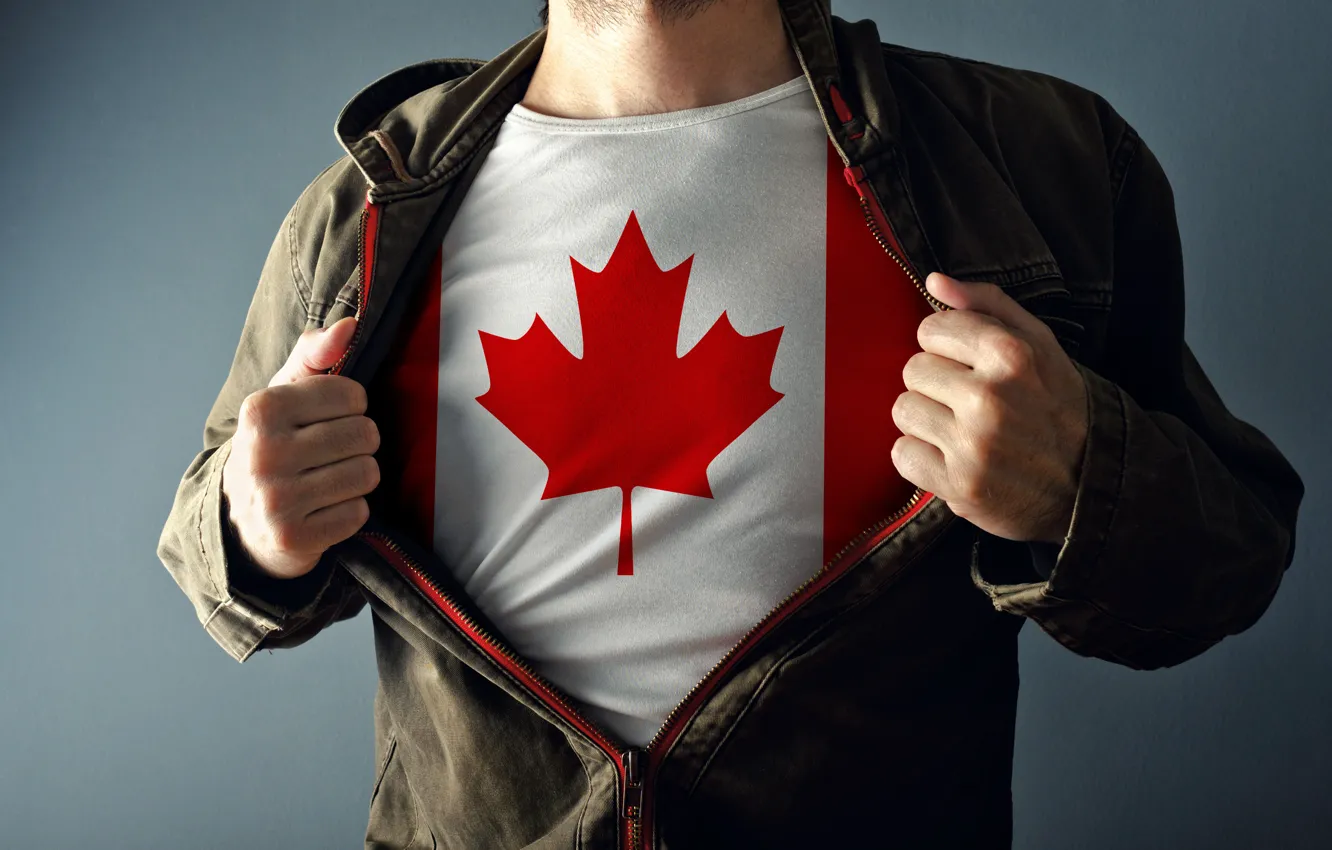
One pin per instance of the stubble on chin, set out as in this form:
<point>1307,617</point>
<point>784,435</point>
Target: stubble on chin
<point>593,15</point>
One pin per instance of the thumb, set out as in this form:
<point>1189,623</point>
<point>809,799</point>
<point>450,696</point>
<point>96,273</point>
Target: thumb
<point>316,350</point>
<point>985,298</point>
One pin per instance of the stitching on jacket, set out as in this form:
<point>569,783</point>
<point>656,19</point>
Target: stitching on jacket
<point>297,279</point>
<point>587,798</point>
<point>895,163</point>
<point>1119,483</point>
<point>354,283</point>
<point>1125,153</point>
<point>211,616</point>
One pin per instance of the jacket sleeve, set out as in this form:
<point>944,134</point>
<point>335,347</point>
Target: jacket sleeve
<point>1184,518</point>
<point>239,606</point>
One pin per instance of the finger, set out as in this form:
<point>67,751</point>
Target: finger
<point>926,419</point>
<point>920,463</point>
<point>982,297</point>
<point>959,335</point>
<point>315,351</point>
<point>941,378</point>
<point>336,482</point>
<point>333,440</point>
<point>334,524</point>
<point>318,398</point>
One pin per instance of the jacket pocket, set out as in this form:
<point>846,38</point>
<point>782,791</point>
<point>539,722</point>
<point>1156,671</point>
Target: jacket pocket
<point>395,819</point>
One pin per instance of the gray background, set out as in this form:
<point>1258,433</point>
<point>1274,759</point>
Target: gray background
<point>150,150</point>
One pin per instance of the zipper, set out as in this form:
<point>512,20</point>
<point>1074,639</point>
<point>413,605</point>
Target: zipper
<point>671,728</point>
<point>637,766</point>
<point>628,761</point>
<point>367,234</point>
<point>883,230</point>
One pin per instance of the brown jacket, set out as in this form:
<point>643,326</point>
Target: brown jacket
<point>877,703</point>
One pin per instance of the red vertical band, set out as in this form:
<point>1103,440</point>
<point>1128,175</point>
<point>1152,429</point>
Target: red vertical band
<point>408,385</point>
<point>873,310</point>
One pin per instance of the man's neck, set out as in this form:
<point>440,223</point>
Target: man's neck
<point>610,58</point>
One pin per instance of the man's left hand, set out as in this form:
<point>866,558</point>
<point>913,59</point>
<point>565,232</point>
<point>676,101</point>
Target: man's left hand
<point>994,417</point>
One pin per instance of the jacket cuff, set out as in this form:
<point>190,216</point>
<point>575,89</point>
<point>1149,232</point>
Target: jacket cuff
<point>252,604</point>
<point>1100,481</point>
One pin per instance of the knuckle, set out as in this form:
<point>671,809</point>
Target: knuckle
<point>928,327</point>
<point>355,395</point>
<point>986,409</point>
<point>360,512</point>
<point>913,367</point>
<point>256,411</point>
<point>1012,354</point>
<point>287,536</point>
<point>900,408</point>
<point>345,521</point>
<point>367,473</point>
<point>368,437</point>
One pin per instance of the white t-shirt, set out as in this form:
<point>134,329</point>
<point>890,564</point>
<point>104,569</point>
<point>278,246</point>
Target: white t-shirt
<point>680,320</point>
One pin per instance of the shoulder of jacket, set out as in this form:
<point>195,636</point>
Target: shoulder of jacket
<point>1008,97</point>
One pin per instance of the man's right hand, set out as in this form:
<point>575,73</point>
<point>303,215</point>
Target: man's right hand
<point>300,463</point>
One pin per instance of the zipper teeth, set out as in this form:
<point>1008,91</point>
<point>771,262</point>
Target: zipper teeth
<point>498,647</point>
<point>883,243</point>
<point>854,543</point>
<point>363,296</point>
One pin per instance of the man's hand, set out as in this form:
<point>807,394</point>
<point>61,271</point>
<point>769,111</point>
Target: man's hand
<point>994,419</point>
<point>300,460</point>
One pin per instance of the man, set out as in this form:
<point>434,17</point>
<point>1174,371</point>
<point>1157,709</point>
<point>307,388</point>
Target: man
<point>702,394</point>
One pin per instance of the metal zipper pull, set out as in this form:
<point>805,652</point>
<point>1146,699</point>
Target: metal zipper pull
<point>633,782</point>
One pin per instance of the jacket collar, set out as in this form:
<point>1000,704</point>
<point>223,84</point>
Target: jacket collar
<point>410,130</point>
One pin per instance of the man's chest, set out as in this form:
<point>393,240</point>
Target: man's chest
<point>634,415</point>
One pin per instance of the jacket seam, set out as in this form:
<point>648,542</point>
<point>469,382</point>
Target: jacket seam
<point>587,799</point>
<point>1122,410</point>
<point>915,211</point>
<point>1125,152</point>
<point>298,280</point>
<point>383,767</point>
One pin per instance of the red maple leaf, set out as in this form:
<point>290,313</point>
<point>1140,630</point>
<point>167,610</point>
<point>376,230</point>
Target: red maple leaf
<point>629,413</point>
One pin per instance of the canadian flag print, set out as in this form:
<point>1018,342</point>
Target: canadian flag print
<point>633,417</point>
<point>629,413</point>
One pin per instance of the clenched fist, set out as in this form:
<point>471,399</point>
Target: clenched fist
<point>301,463</point>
